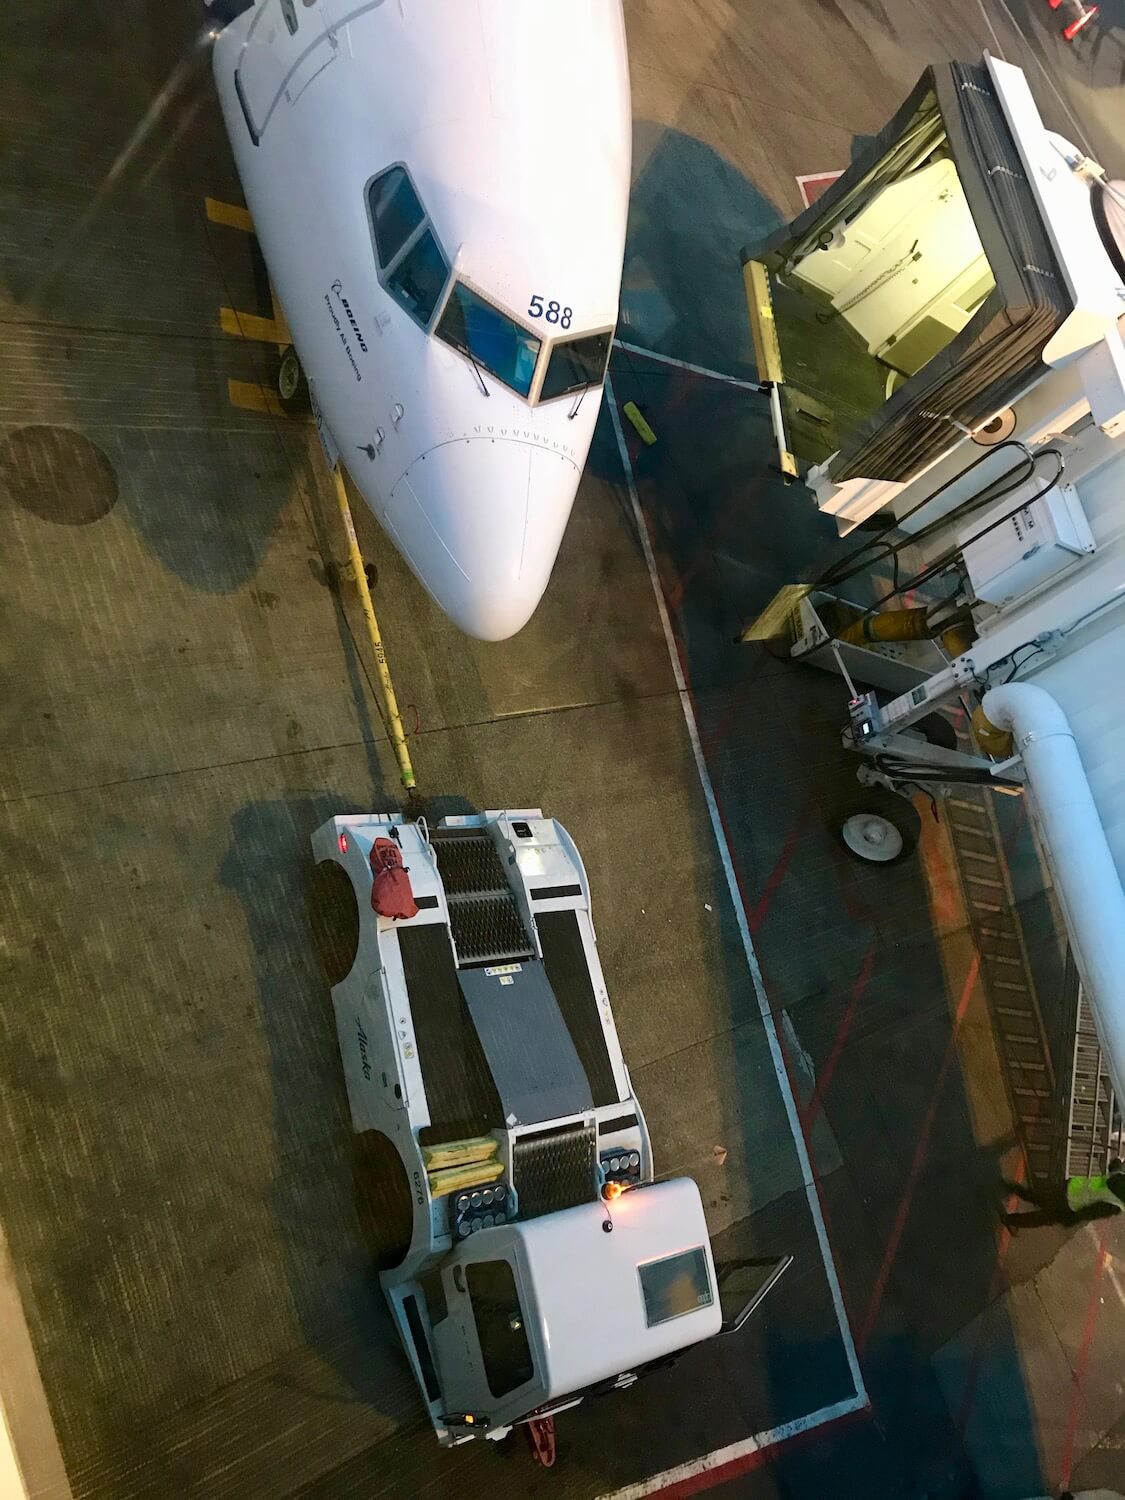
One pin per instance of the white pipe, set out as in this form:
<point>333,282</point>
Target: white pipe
<point>1086,876</point>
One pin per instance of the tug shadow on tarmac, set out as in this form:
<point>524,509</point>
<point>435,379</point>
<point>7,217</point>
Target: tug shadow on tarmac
<point>340,1200</point>
<point>335,1203</point>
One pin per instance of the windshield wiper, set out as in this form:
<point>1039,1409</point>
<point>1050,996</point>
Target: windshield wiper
<point>468,353</point>
<point>581,397</point>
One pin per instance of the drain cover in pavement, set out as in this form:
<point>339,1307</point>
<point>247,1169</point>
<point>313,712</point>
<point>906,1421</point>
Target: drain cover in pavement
<point>58,475</point>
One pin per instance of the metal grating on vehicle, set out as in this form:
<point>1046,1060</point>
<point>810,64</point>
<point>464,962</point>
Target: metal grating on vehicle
<point>488,929</point>
<point>470,864</point>
<point>1095,1124</point>
<point>1009,985</point>
<point>554,1169</point>
<point>483,914</point>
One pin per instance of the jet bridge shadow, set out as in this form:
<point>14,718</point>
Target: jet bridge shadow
<point>862,988</point>
<point>340,1200</point>
<point>690,213</point>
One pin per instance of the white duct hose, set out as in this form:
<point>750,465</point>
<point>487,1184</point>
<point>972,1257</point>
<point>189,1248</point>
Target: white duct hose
<point>1086,878</point>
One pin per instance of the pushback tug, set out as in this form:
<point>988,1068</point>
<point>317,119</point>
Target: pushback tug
<point>545,1262</point>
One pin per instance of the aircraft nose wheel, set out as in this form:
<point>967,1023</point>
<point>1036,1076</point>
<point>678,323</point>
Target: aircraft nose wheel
<point>336,574</point>
<point>292,387</point>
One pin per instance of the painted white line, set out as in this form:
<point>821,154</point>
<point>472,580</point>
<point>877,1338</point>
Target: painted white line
<point>991,30</point>
<point>740,914</point>
<point>804,178</point>
<point>683,364</point>
<point>723,1456</point>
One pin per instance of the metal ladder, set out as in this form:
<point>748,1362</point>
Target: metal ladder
<point>1008,983</point>
<point>1095,1123</point>
<point>484,916</point>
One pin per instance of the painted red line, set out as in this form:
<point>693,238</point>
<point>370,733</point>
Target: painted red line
<point>996,1286</point>
<point>713,536</point>
<point>862,979</point>
<point>756,917</point>
<point>737,703</point>
<point>707,1479</point>
<point>1081,1367</point>
<point>920,1152</point>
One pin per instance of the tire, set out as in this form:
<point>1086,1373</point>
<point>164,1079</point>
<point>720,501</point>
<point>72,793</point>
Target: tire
<point>292,387</point>
<point>877,827</point>
<point>383,1201</point>
<point>333,917</point>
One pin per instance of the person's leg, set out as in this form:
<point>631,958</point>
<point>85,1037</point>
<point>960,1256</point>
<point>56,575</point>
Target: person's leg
<point>1036,1218</point>
<point>1024,1193</point>
<point>1052,1208</point>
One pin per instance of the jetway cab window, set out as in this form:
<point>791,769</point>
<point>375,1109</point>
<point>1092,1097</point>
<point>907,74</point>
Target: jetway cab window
<point>675,1286</point>
<point>412,266</point>
<point>500,1326</point>
<point>496,342</point>
<point>575,365</point>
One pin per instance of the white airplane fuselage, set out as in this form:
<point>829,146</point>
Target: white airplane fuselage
<point>510,121</point>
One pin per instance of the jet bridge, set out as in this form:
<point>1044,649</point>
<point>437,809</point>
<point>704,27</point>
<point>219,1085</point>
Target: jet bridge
<point>943,331</point>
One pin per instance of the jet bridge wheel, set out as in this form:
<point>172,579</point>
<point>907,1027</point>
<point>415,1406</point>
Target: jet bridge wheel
<point>876,826</point>
<point>292,387</point>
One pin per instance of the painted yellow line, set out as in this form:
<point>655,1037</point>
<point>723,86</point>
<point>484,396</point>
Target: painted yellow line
<point>244,325</point>
<point>230,214</point>
<point>248,395</point>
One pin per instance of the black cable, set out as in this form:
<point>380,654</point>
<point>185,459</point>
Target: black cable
<point>841,571</point>
<point>1018,666</point>
<point>955,551</point>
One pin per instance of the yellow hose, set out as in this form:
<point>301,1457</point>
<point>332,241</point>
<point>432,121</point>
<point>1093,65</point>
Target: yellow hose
<point>382,671</point>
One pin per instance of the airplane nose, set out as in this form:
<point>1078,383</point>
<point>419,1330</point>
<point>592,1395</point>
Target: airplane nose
<point>480,521</point>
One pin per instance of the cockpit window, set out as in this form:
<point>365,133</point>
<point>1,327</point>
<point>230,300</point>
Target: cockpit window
<point>496,342</point>
<point>419,276</point>
<point>412,264</point>
<point>575,365</point>
<point>395,212</point>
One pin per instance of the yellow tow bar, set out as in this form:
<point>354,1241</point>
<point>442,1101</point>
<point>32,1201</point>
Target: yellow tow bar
<point>386,687</point>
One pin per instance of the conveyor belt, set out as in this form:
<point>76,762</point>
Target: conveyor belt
<point>459,1089</point>
<point>569,973</point>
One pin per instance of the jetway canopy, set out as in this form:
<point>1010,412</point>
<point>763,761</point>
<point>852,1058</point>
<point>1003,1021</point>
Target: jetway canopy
<point>920,289</point>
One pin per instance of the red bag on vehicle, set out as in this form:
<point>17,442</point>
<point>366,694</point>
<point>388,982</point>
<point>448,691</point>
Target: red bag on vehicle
<point>392,895</point>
